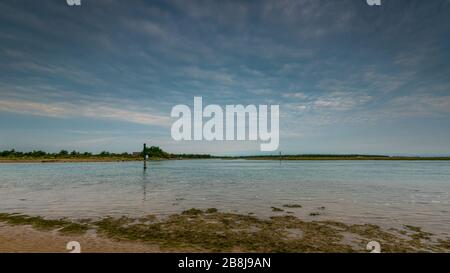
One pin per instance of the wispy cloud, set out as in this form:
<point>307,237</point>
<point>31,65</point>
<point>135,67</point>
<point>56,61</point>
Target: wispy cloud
<point>296,95</point>
<point>328,64</point>
<point>88,110</point>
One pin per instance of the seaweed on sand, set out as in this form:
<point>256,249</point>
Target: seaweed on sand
<point>212,230</point>
<point>64,226</point>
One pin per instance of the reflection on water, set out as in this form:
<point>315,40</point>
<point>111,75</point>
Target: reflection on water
<point>387,193</point>
<point>144,184</point>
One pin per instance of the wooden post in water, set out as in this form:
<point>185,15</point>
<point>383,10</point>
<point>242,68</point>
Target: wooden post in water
<point>145,156</point>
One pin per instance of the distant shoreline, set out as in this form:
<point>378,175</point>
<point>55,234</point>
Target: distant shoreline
<point>262,158</point>
<point>344,157</point>
<point>156,153</point>
<point>65,160</point>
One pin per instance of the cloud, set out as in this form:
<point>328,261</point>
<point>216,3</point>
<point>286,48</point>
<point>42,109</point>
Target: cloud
<point>88,110</point>
<point>334,101</point>
<point>297,95</point>
<point>341,101</point>
<point>419,105</point>
<point>197,73</point>
<point>325,63</point>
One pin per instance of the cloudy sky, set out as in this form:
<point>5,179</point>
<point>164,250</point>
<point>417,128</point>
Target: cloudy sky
<point>349,78</point>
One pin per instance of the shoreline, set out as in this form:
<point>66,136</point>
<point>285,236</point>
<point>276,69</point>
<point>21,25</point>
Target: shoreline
<point>93,160</point>
<point>208,230</point>
<point>69,160</point>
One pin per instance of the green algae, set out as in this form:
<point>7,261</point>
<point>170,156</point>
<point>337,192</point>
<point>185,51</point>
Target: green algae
<point>211,210</point>
<point>276,209</point>
<point>37,222</point>
<point>73,229</point>
<point>192,211</point>
<point>213,231</point>
<point>293,206</point>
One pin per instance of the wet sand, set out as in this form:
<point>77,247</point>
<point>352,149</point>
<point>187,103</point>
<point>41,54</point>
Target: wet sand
<point>25,239</point>
<point>196,230</point>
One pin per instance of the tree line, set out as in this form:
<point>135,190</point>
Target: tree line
<point>62,153</point>
<point>151,152</point>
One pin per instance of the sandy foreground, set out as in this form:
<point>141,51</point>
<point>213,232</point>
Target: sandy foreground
<point>207,230</point>
<point>25,239</point>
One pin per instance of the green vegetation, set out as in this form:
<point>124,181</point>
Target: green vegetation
<point>192,212</point>
<point>211,210</point>
<point>292,206</point>
<point>63,226</point>
<point>63,155</point>
<point>210,230</point>
<point>156,153</point>
<point>153,153</point>
<point>193,156</point>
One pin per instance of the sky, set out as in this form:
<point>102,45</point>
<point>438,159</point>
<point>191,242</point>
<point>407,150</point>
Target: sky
<point>348,77</point>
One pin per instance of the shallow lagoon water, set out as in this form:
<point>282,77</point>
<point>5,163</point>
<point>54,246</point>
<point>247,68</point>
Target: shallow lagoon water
<point>386,193</point>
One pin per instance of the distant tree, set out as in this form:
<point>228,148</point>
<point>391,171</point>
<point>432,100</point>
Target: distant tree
<point>38,154</point>
<point>63,152</point>
<point>105,153</point>
<point>8,153</point>
<point>155,151</point>
<point>192,155</point>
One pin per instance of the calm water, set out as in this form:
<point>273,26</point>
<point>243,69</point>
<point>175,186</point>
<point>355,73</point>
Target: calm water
<point>387,193</point>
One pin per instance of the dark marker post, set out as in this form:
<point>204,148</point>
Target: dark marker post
<point>145,156</point>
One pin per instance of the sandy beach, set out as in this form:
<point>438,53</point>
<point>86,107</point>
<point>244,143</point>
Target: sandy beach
<point>208,231</point>
<point>25,239</point>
